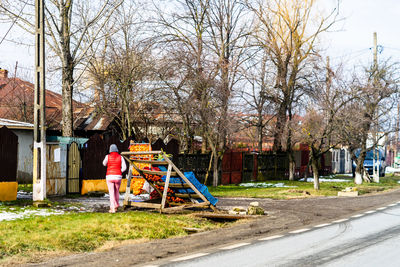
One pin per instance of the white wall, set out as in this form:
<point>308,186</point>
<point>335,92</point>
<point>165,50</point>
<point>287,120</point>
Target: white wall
<point>25,155</point>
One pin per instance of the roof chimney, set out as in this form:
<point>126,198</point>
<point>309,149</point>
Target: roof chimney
<point>3,73</point>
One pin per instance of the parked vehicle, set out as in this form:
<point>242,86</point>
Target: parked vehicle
<point>369,161</point>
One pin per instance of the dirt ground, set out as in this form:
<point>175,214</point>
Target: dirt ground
<point>282,216</point>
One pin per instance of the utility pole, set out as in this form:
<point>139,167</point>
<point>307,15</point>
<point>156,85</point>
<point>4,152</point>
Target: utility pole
<point>39,133</point>
<point>396,141</point>
<point>376,162</point>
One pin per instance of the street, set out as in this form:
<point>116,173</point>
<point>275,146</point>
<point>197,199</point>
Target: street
<point>366,239</point>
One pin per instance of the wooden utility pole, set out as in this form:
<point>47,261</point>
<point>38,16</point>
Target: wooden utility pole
<point>376,162</point>
<point>396,141</point>
<point>39,133</point>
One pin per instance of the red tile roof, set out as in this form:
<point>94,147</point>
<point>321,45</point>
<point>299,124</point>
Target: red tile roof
<point>16,102</point>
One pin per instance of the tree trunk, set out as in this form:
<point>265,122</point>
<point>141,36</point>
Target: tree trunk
<point>359,172</point>
<point>314,166</point>
<point>204,144</point>
<point>292,165</point>
<point>215,169</point>
<point>67,89</point>
<point>358,178</point>
<point>260,132</point>
<point>280,122</point>
<point>67,72</point>
<point>225,100</point>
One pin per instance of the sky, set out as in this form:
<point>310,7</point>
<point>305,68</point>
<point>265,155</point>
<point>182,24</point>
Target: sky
<point>351,39</point>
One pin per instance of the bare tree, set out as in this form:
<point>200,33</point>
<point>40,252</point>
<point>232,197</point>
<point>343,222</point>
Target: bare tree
<point>229,34</point>
<point>326,98</point>
<point>258,109</point>
<point>288,30</point>
<point>122,75</point>
<point>68,24</point>
<point>368,112</point>
<point>174,71</point>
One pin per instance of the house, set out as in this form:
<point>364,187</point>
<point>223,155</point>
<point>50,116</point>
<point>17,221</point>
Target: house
<point>16,103</point>
<point>16,113</point>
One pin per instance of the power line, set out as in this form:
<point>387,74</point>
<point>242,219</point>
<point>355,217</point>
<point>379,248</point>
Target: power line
<point>12,25</point>
<point>397,49</point>
<point>18,42</point>
<point>360,52</point>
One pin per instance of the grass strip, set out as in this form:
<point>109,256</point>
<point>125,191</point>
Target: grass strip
<point>87,231</point>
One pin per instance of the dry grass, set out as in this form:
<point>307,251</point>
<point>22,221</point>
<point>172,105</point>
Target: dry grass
<point>34,239</point>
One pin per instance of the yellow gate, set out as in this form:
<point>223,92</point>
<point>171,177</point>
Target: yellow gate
<point>74,162</point>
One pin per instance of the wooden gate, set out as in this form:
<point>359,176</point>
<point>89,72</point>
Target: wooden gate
<point>74,161</point>
<point>232,166</point>
<point>8,155</point>
<point>55,183</point>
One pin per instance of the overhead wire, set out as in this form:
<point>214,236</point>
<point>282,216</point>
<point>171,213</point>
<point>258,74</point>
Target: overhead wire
<point>361,51</point>
<point>12,25</point>
<point>18,42</point>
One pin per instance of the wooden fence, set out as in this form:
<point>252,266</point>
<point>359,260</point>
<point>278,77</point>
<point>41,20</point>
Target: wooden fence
<point>238,167</point>
<point>96,148</point>
<point>235,167</point>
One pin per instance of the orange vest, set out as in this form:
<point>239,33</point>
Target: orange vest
<point>114,164</point>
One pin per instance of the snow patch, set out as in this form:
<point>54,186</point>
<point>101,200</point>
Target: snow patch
<point>264,185</point>
<point>391,170</point>
<point>325,180</point>
<point>22,214</point>
<point>24,195</point>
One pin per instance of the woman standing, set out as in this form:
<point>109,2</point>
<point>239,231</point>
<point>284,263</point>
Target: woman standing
<point>116,165</point>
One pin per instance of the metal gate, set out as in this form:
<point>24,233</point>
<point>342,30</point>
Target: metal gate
<point>74,162</point>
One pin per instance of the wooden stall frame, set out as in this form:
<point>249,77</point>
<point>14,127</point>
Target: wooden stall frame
<point>172,171</point>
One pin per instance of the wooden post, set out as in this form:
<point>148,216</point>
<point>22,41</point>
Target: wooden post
<point>128,185</point>
<point>138,169</point>
<point>184,178</point>
<point>165,193</point>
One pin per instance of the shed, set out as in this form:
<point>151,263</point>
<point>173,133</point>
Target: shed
<point>24,131</point>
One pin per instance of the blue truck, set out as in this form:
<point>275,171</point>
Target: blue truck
<point>369,161</point>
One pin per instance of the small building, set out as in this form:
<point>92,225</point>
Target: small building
<point>24,132</point>
<point>341,161</point>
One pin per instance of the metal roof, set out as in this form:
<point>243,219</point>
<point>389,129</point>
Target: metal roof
<point>11,124</point>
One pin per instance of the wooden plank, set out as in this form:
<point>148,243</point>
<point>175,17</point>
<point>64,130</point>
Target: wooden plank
<point>225,216</point>
<point>184,178</point>
<point>165,193</point>
<point>144,177</point>
<point>187,195</point>
<point>128,153</point>
<point>154,162</point>
<point>187,206</point>
<point>128,184</point>
<point>160,173</point>
<point>172,185</point>
<point>144,205</point>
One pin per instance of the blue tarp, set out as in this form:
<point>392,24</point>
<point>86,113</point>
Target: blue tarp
<point>190,176</point>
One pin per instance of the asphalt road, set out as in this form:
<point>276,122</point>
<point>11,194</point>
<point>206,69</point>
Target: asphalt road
<point>371,238</point>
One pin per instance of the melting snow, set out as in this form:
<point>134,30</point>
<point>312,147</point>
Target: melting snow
<point>391,170</point>
<point>326,180</point>
<point>264,185</point>
<point>24,195</point>
<point>22,213</point>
